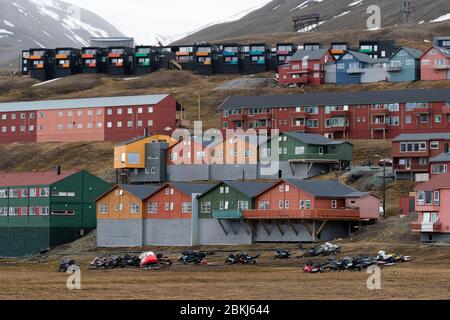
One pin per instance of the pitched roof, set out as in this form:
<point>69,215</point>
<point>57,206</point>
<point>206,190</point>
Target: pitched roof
<point>443,157</point>
<point>82,103</point>
<point>415,53</point>
<point>443,51</point>
<point>437,182</point>
<point>422,136</point>
<point>309,54</point>
<point>336,98</point>
<point>324,189</point>
<point>33,178</point>
<point>250,188</point>
<point>312,138</point>
<point>141,191</point>
<point>190,188</point>
<point>362,57</point>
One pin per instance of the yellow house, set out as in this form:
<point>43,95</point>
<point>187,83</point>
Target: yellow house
<point>131,154</point>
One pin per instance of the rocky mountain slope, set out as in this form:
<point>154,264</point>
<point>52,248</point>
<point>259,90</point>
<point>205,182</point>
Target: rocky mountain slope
<point>276,17</point>
<point>28,24</point>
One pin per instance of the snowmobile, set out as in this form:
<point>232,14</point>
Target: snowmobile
<point>282,254</point>
<point>65,264</point>
<point>194,257</point>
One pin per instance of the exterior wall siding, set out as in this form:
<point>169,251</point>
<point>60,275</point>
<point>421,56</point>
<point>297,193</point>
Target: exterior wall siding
<point>112,233</point>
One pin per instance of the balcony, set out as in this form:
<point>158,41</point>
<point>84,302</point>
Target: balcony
<point>441,66</point>
<point>394,68</point>
<point>313,214</point>
<point>339,113</point>
<point>379,126</point>
<point>87,56</point>
<point>328,157</point>
<point>426,227</point>
<point>227,214</point>
<point>236,117</point>
<point>422,110</point>
<point>379,112</point>
<point>446,109</point>
<point>338,128</point>
<point>356,70</point>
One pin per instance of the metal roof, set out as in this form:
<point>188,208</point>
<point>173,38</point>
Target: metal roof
<point>443,157</point>
<point>33,178</point>
<point>82,103</point>
<point>415,53</point>
<point>249,188</point>
<point>362,57</point>
<point>312,138</point>
<point>190,188</point>
<point>437,182</point>
<point>309,54</point>
<point>141,191</point>
<point>422,136</point>
<point>336,98</point>
<point>324,189</point>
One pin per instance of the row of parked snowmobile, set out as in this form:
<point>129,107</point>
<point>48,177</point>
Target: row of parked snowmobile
<point>359,263</point>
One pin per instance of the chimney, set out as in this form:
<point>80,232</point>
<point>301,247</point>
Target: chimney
<point>446,148</point>
<point>58,170</point>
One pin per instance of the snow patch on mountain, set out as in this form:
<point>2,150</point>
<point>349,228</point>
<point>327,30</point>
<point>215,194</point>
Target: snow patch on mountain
<point>445,17</point>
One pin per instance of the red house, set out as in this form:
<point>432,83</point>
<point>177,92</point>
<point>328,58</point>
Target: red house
<point>306,67</point>
<point>92,119</point>
<point>417,156</point>
<point>306,199</point>
<point>343,115</point>
<point>433,207</point>
<point>435,64</point>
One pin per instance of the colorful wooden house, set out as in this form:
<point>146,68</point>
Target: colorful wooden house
<point>259,58</point>
<point>67,62</point>
<point>416,155</point>
<point>355,68</point>
<point>435,64</point>
<point>206,56</point>
<point>228,59</point>
<point>433,208</point>
<point>405,65</point>
<point>93,60</point>
<point>282,54</point>
<point>378,49</point>
<point>40,210</point>
<point>145,59</point>
<point>120,61</point>
<point>309,46</point>
<point>305,68</point>
<point>186,57</point>
<point>442,42</point>
<point>339,48</point>
<point>41,64</point>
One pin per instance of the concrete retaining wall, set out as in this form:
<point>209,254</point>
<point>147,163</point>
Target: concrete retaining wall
<point>211,233</point>
<point>175,232</point>
<point>444,237</point>
<point>119,233</point>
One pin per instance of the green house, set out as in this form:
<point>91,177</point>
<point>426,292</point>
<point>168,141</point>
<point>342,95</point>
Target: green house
<point>228,199</point>
<point>307,146</point>
<point>40,210</point>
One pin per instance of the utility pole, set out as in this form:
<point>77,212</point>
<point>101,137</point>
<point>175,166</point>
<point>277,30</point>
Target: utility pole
<point>384,188</point>
<point>199,106</point>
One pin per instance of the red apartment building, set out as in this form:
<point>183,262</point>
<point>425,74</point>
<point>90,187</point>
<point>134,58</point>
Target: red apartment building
<point>306,67</point>
<point>419,156</point>
<point>435,64</point>
<point>343,115</point>
<point>92,119</point>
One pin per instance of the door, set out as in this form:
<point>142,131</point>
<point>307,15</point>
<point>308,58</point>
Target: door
<point>408,164</point>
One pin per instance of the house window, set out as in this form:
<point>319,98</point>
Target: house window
<point>109,125</point>
<point>263,205</point>
<point>186,207</point>
<point>13,193</point>
<point>135,208</point>
<point>439,168</point>
<point>119,124</point>
<point>205,207</point>
<point>434,145</point>
<point>438,118</point>
<point>130,124</point>
<point>150,123</point>
<point>80,126</point>
<point>23,193</point>
<point>3,193</point>
<point>320,150</point>
<point>242,205</point>
<point>286,204</point>
<point>133,158</point>
<point>44,211</point>
<point>333,204</point>
<point>103,208</point>
<point>119,206</point>
<point>423,161</point>
<point>150,109</point>
<point>90,113</point>
<point>281,204</point>
<point>436,198</point>
<point>119,111</point>
<point>223,205</point>
<point>152,207</point>
<point>408,119</point>
<point>32,211</point>
<point>80,113</point>
<point>90,125</point>
<point>23,211</point>
<point>139,123</point>
<point>140,110</point>
<point>130,110</point>
<point>109,112</point>
<point>428,198</point>
<point>13,211</point>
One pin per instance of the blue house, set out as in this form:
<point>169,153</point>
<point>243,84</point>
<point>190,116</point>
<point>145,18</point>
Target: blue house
<point>405,65</point>
<point>356,67</point>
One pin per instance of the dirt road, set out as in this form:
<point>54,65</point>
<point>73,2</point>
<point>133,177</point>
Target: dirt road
<point>426,277</point>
